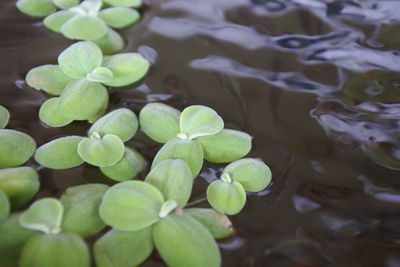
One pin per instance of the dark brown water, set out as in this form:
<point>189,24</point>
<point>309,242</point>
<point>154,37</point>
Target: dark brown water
<point>315,82</point>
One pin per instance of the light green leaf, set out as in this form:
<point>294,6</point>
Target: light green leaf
<point>51,115</point>
<point>83,99</point>
<point>217,223</point>
<point>126,67</point>
<point>4,206</point>
<point>12,239</point>
<point>48,78</point>
<point>124,3</point>
<point>111,42</point>
<point>81,209</point>
<point>200,120</point>
<point>131,164</point>
<point>15,148</point>
<point>121,249</point>
<point>131,205</point>
<point>101,152</point>
<point>120,122</point>
<point>160,122</point>
<point>225,146</point>
<point>61,153</point>
<point>167,208</point>
<point>253,174</point>
<point>36,8</point>
<point>119,17</point>
<point>182,241</point>
<point>64,4</point>
<point>228,198</point>
<point>20,185</point>
<point>61,250</point>
<point>100,113</point>
<point>80,59</point>
<point>173,178</point>
<point>187,150</point>
<point>43,215</point>
<point>84,27</point>
<point>55,21</point>
<point>4,117</point>
<point>100,74</point>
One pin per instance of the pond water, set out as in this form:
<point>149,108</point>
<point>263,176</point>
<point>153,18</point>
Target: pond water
<point>315,82</point>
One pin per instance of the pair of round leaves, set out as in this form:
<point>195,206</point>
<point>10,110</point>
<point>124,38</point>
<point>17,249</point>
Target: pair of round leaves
<point>19,184</point>
<point>15,148</point>
<point>79,79</point>
<point>53,248</point>
<point>4,117</point>
<point>131,248</point>
<point>135,206</point>
<point>228,195</point>
<point>88,22</point>
<point>200,135</point>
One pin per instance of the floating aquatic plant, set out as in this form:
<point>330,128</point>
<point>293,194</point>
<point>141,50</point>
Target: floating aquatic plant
<point>79,81</point>
<point>86,20</point>
<point>141,214</point>
<point>192,135</point>
<point>228,195</point>
<point>52,247</point>
<point>104,147</point>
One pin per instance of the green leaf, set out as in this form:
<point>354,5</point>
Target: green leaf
<point>101,152</point>
<point>48,78</point>
<point>253,174</point>
<point>84,27</point>
<point>218,224</point>
<point>226,146</point>
<point>12,240</point>
<point>124,3</point>
<point>160,122</point>
<point>20,185</point>
<point>100,74</point>
<point>228,198</point>
<point>4,117</point>
<point>83,99</point>
<point>187,150</point>
<point>173,178</point>
<point>43,215</point>
<point>199,120</point>
<point>36,8</point>
<point>81,209</point>
<point>55,21</point>
<point>111,42</point>
<point>51,115</point>
<point>131,164</point>
<point>80,59</point>
<point>120,122</point>
<point>64,4</point>
<point>119,17</point>
<point>131,205</point>
<point>61,153</point>
<point>100,113</point>
<point>61,250</point>
<point>4,206</point>
<point>121,249</point>
<point>15,148</point>
<point>182,241</point>
<point>126,67</point>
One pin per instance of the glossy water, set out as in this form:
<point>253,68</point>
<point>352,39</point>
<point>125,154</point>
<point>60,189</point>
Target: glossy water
<point>315,82</point>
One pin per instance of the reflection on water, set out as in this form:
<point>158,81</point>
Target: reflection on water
<point>316,82</point>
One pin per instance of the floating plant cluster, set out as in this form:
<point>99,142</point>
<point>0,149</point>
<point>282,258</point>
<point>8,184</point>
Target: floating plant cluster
<point>132,217</point>
<point>90,20</point>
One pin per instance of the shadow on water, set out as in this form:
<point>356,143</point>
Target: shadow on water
<point>316,82</point>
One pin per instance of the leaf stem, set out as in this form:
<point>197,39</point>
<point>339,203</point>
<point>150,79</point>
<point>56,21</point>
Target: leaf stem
<point>195,202</point>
